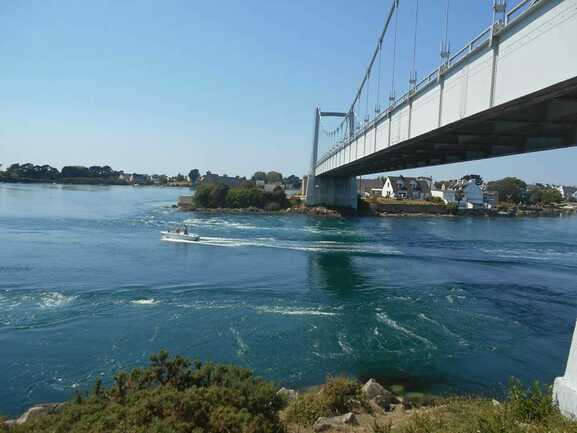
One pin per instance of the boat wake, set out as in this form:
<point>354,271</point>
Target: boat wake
<point>310,246</point>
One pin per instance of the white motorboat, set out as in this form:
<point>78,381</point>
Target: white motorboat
<point>179,236</point>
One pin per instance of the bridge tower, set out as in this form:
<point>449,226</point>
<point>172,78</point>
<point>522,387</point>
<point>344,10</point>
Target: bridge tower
<point>330,191</point>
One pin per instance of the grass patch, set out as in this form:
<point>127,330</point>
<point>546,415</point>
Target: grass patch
<point>525,411</point>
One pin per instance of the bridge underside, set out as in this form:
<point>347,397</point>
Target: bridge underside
<point>540,121</point>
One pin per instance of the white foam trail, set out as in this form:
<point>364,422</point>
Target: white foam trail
<point>319,246</point>
<point>242,346</point>
<point>294,312</point>
<point>144,302</point>
<point>422,316</point>
<point>344,344</point>
<point>382,317</point>
<point>55,300</point>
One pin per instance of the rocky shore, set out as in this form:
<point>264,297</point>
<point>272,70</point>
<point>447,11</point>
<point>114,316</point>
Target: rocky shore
<point>339,405</point>
<point>389,209</point>
<point>377,403</point>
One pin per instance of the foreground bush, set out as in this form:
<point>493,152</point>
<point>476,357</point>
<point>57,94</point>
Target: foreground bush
<point>338,396</point>
<point>171,396</point>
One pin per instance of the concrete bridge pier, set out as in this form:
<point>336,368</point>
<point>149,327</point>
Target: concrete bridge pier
<point>330,191</point>
<point>565,388</point>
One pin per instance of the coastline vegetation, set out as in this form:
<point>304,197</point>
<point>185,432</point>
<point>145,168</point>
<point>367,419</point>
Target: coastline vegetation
<point>31,173</point>
<point>512,190</point>
<point>221,196</point>
<point>170,395</point>
<point>338,396</point>
<point>176,395</point>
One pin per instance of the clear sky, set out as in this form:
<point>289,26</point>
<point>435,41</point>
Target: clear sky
<point>227,86</point>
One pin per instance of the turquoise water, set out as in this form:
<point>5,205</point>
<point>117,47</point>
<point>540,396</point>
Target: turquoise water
<point>87,288</point>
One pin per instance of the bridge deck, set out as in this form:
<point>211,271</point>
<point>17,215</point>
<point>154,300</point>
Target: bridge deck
<point>544,120</point>
<point>511,94</point>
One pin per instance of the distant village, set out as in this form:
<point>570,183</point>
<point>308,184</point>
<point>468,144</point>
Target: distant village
<point>468,192</point>
<point>105,175</point>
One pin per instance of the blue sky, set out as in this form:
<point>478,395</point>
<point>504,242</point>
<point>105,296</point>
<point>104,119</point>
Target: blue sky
<point>227,86</point>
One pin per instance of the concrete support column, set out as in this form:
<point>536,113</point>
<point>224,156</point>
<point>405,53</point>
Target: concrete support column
<point>332,191</point>
<point>565,388</point>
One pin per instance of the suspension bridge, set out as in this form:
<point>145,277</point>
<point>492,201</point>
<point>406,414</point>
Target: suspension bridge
<point>512,89</point>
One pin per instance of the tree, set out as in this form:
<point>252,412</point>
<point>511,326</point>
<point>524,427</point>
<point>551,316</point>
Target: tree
<point>278,197</point>
<point>218,195</point>
<point>31,171</point>
<point>273,177</point>
<point>510,189</point>
<point>97,171</point>
<point>203,194</point>
<point>545,195</point>
<point>293,181</point>
<point>75,171</point>
<point>194,175</point>
<point>259,175</point>
<point>478,179</point>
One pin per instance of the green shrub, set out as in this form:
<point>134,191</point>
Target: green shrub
<point>436,200</point>
<point>222,196</point>
<point>202,195</point>
<point>277,196</point>
<point>338,396</point>
<point>453,208</point>
<point>273,206</point>
<point>533,404</point>
<point>171,395</point>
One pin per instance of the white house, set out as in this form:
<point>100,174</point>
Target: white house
<point>413,188</point>
<point>466,194</point>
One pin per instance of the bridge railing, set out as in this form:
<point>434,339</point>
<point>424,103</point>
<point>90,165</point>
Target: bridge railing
<point>519,9</point>
<point>477,43</point>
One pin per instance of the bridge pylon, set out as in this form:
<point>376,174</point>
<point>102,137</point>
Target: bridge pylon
<point>330,191</point>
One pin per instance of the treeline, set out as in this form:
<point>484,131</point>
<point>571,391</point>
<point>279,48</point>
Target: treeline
<point>276,177</point>
<point>220,196</point>
<point>46,173</point>
<point>515,191</point>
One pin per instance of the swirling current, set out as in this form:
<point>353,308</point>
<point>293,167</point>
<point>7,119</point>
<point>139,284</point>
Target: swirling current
<point>439,304</point>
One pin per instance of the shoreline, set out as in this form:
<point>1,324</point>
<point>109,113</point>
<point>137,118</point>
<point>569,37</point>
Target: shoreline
<point>371,212</point>
<point>84,181</point>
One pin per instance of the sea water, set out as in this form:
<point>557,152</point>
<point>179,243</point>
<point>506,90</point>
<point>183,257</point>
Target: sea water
<point>438,304</point>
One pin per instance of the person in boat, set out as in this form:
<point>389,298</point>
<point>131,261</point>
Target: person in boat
<point>186,230</point>
<point>178,230</point>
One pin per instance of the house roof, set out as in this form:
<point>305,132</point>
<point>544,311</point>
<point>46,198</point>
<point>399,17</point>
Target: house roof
<point>453,185</point>
<point>402,183</point>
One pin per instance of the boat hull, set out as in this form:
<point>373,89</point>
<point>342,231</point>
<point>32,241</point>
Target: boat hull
<point>170,236</point>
